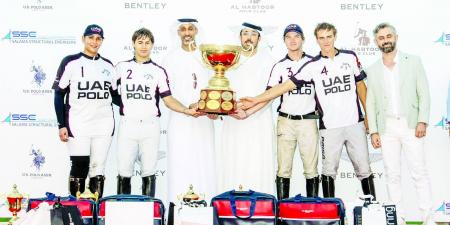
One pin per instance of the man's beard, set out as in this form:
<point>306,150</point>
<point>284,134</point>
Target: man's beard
<point>388,47</point>
<point>249,45</point>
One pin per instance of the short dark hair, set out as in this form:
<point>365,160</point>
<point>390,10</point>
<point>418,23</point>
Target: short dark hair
<point>143,32</point>
<point>325,26</point>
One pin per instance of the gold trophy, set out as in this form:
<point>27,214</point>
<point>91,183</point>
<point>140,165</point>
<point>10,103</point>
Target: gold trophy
<point>218,98</point>
<point>192,199</point>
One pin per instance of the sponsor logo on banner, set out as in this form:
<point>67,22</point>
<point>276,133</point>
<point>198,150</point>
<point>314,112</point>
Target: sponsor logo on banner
<point>37,164</point>
<point>156,49</point>
<point>444,39</point>
<point>252,6</point>
<point>145,5</point>
<point>365,45</point>
<point>442,213</point>
<point>28,120</point>
<point>444,123</point>
<point>31,36</point>
<point>352,175</point>
<point>37,5</point>
<point>366,6</point>
<point>38,79</point>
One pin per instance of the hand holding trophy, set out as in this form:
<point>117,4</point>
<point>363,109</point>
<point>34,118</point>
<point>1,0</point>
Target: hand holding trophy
<point>218,98</point>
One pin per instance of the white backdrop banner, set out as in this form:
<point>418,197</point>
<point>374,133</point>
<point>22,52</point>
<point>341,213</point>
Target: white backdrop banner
<point>37,34</point>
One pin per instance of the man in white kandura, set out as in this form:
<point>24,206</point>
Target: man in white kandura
<point>190,158</point>
<point>248,139</point>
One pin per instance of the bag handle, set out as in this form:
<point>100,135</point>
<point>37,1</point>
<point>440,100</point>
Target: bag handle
<point>233,206</point>
<point>242,193</point>
<point>300,198</point>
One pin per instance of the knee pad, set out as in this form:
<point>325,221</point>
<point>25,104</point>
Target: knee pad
<point>80,166</point>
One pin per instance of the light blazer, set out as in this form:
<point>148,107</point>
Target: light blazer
<point>414,93</point>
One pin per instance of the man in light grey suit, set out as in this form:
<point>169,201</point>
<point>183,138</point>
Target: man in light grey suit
<point>398,106</point>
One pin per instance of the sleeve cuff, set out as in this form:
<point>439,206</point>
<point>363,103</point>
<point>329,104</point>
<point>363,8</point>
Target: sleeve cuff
<point>165,94</point>
<point>361,76</point>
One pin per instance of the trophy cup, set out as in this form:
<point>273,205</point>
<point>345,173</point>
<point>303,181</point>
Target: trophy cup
<point>14,203</point>
<point>218,98</point>
<point>192,199</point>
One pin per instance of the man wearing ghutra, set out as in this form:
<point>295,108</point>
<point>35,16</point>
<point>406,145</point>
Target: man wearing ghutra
<point>247,147</point>
<point>190,157</point>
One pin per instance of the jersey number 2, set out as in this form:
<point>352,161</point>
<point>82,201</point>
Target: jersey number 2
<point>129,74</point>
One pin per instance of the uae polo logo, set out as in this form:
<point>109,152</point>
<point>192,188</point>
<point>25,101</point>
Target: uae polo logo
<point>365,45</point>
<point>37,162</point>
<point>253,6</point>
<point>444,39</point>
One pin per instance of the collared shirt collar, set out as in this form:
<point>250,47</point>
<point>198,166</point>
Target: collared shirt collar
<point>287,56</point>
<point>146,62</point>
<point>323,56</point>
<point>96,57</point>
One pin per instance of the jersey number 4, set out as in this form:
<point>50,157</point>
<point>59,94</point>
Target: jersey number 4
<point>324,71</point>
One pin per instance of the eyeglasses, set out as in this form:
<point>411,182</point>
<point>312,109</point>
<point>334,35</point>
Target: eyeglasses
<point>194,78</point>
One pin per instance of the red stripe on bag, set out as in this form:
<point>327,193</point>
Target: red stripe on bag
<point>156,210</point>
<point>85,207</point>
<point>262,208</point>
<point>293,210</point>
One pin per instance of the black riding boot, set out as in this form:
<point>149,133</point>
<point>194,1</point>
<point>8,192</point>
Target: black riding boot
<point>76,185</point>
<point>96,184</point>
<point>283,185</point>
<point>148,185</point>
<point>123,185</point>
<point>368,186</point>
<point>312,187</point>
<point>327,186</point>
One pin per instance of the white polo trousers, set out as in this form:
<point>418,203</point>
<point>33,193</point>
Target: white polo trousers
<point>397,140</point>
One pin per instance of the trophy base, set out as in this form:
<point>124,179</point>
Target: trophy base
<point>221,102</point>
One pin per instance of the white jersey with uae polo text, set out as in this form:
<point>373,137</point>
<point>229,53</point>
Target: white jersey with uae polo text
<point>299,101</point>
<point>334,80</point>
<point>88,82</point>
<point>141,85</point>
